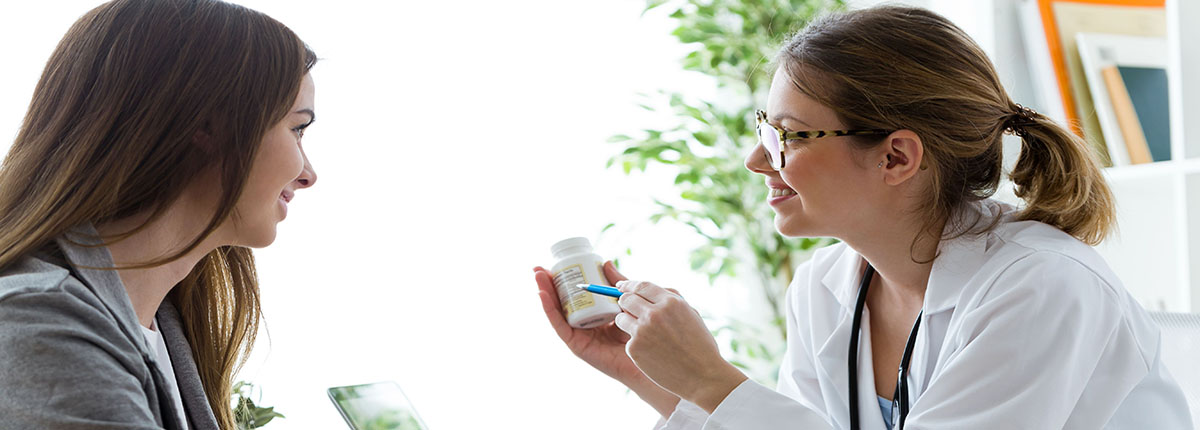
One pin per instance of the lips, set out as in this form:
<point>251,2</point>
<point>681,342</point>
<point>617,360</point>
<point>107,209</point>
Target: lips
<point>778,192</point>
<point>779,188</point>
<point>286,196</point>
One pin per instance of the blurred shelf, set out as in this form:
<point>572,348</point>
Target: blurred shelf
<point>1149,170</point>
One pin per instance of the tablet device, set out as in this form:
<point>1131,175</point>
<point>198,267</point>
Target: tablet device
<point>377,406</point>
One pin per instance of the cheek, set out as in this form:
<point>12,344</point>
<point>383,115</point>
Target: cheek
<point>281,160</point>
<point>805,171</point>
<point>277,163</point>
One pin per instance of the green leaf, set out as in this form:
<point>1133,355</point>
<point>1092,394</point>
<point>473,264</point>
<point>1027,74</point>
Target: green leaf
<point>651,4</point>
<point>705,138</point>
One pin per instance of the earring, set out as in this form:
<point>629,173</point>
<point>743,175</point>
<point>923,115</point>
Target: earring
<point>880,165</point>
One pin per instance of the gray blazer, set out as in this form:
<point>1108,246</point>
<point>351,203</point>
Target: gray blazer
<point>72,355</point>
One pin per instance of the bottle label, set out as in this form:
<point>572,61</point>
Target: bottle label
<point>573,299</point>
<point>600,270</point>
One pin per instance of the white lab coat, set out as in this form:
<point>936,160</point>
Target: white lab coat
<point>1024,327</point>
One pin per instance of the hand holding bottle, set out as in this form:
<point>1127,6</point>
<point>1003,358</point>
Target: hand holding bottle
<point>602,347</point>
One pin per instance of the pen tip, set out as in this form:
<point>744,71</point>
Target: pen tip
<point>581,285</point>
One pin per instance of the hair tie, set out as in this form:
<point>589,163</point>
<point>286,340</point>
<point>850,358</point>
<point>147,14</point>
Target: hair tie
<point>1016,122</point>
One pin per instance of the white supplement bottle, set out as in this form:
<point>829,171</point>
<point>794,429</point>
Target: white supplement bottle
<point>577,264</point>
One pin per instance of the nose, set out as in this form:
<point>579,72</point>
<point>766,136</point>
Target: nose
<point>308,176</point>
<point>756,161</point>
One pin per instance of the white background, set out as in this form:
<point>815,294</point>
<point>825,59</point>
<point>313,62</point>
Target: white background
<point>455,142</point>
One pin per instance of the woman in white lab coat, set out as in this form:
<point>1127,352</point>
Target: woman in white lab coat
<point>940,308</point>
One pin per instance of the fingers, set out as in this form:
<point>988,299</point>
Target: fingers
<point>652,293</point>
<point>548,294</point>
<point>626,323</point>
<point>611,273</point>
<point>634,304</point>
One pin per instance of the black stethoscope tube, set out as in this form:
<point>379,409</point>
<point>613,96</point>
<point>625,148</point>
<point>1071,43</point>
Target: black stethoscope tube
<point>900,399</point>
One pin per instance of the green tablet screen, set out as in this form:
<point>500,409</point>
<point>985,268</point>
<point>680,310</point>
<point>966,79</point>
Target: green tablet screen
<point>378,406</point>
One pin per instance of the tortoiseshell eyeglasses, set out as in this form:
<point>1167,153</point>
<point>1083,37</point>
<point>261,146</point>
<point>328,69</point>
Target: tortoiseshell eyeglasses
<point>772,138</point>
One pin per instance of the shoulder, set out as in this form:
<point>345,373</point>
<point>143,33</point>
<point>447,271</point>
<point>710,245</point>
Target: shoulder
<point>1031,254</point>
<point>45,291</point>
<point>42,303</point>
<point>1016,249</point>
<point>31,274</point>
<point>64,347</point>
<point>1036,271</point>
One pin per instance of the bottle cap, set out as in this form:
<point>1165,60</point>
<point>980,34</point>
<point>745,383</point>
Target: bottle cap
<point>566,246</point>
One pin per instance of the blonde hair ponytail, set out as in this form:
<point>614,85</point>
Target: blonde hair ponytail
<point>1060,179</point>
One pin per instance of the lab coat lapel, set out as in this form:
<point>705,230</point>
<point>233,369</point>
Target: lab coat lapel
<point>842,281</point>
<point>958,261</point>
<point>843,278</point>
<point>836,376</point>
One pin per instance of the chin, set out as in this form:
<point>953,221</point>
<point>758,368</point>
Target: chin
<point>260,238</point>
<point>793,227</point>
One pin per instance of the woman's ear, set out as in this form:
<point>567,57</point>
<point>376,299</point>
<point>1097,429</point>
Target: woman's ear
<point>903,156</point>
<point>202,139</point>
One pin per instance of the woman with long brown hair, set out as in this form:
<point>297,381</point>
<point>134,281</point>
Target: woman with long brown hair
<point>163,141</point>
<point>940,308</point>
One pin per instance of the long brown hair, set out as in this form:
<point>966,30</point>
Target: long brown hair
<point>109,134</point>
<point>892,67</point>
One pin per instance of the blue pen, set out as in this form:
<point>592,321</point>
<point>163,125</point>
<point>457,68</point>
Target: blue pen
<point>601,290</point>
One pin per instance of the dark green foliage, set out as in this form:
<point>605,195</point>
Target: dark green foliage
<point>248,415</point>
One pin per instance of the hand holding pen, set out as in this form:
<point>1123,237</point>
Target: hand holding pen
<point>671,345</point>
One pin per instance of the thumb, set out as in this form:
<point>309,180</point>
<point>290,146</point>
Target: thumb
<point>611,273</point>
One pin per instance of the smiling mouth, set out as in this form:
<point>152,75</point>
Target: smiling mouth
<point>779,192</point>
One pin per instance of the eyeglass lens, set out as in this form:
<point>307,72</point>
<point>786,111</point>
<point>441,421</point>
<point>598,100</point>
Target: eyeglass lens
<point>769,136</point>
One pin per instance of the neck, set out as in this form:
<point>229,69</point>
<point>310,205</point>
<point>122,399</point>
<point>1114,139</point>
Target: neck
<point>161,238</point>
<point>903,269</point>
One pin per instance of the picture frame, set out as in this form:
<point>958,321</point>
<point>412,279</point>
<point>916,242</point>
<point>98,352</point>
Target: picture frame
<point>1098,51</point>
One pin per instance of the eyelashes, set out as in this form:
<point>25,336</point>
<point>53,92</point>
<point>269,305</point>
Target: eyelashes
<point>300,129</point>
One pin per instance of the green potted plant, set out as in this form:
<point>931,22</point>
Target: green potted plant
<point>247,414</point>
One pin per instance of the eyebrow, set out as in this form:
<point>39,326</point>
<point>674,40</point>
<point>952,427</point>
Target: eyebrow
<point>312,116</point>
<point>775,118</point>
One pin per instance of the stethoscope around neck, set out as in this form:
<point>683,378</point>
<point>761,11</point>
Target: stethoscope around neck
<point>901,399</point>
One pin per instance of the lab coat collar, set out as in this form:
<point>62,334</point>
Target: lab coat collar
<point>832,355</point>
<point>958,259</point>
